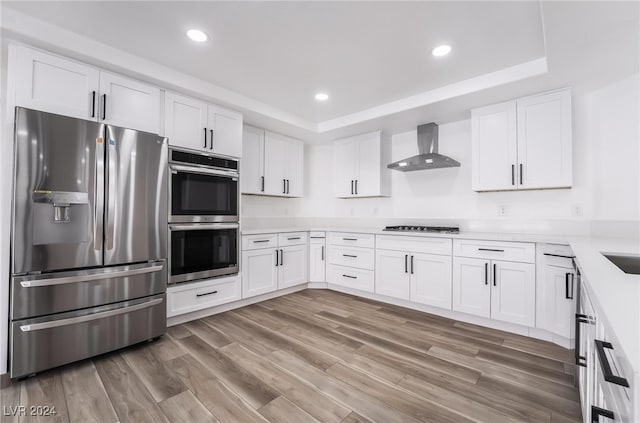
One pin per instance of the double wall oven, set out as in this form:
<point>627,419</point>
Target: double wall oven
<point>203,216</point>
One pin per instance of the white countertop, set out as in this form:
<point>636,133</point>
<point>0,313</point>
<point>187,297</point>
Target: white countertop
<point>616,294</point>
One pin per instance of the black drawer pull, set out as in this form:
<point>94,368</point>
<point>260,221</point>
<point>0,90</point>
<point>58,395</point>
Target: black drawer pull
<point>568,291</point>
<point>491,249</point>
<point>349,255</point>
<point>349,239</point>
<point>260,240</point>
<point>206,293</point>
<point>350,277</point>
<point>596,412</point>
<point>93,104</point>
<point>486,273</point>
<point>559,255</point>
<point>292,239</point>
<point>581,360</point>
<point>316,237</point>
<point>606,367</point>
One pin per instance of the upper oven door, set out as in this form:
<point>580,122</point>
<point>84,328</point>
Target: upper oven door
<point>199,194</point>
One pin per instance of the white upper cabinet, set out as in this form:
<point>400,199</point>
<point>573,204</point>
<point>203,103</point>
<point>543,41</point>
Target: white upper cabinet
<point>544,140</point>
<point>523,144</point>
<point>273,164</point>
<point>196,125</point>
<point>185,121</point>
<point>128,103</point>
<point>493,147</point>
<point>252,167</point>
<point>361,166</point>
<point>225,131</point>
<point>56,85</point>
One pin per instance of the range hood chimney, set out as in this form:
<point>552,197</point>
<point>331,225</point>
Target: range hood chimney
<point>428,157</point>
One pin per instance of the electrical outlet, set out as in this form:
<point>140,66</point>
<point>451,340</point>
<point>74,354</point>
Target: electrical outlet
<point>577,211</point>
<point>502,211</point>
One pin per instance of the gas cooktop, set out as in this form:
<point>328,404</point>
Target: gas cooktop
<point>436,229</point>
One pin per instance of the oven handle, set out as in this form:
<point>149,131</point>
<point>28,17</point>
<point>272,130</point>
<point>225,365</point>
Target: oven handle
<point>200,226</point>
<point>203,170</point>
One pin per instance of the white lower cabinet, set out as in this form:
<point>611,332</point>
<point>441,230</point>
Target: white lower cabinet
<point>349,277</point>
<point>496,289</point>
<point>317,257</point>
<point>188,297</point>
<point>259,272</point>
<point>392,274</point>
<point>431,280</point>
<point>292,268</point>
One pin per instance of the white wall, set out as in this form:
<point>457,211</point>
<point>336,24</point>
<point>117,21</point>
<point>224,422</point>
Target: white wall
<point>606,161</point>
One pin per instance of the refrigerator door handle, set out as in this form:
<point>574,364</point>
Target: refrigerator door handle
<point>89,317</point>
<point>111,190</point>
<point>99,195</point>
<point>34,283</point>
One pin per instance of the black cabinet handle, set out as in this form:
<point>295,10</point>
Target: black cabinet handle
<point>349,255</point>
<point>104,106</point>
<point>277,258</point>
<point>356,187</point>
<point>293,238</point>
<point>205,137</point>
<point>349,239</point>
<point>513,174</point>
<point>206,293</point>
<point>284,186</point>
<point>322,253</point>
<point>580,359</point>
<point>596,412</point>
<point>606,367</point>
<point>350,277</point>
<point>262,184</point>
<point>260,240</point>
<point>93,104</point>
<point>316,237</point>
<point>288,186</point>
<point>486,273</point>
<point>406,263</point>
<point>520,173</point>
<point>352,187</point>
<point>494,274</point>
<point>210,139</point>
<point>568,291</point>
<point>491,249</point>
<point>281,257</point>
<point>559,255</point>
<point>412,265</point>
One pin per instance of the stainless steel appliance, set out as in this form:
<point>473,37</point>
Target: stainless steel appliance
<point>433,229</point>
<point>428,156</point>
<point>89,240</point>
<point>202,250</point>
<point>203,188</point>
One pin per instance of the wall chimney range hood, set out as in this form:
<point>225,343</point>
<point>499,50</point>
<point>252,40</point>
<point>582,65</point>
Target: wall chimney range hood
<point>428,157</point>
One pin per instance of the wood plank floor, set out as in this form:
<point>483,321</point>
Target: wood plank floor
<point>313,356</point>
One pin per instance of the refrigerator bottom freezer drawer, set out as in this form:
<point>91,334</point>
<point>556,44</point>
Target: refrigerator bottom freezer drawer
<point>45,294</point>
<point>51,341</point>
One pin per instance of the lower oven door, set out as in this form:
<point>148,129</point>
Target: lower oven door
<point>45,342</point>
<point>199,251</point>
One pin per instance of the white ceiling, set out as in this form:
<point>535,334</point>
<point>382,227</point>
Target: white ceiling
<point>368,56</point>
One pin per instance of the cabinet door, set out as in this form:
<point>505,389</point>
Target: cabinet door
<point>369,167</point>
<point>392,274</point>
<point>513,292</point>
<point>185,121</point>
<point>252,167</point>
<point>317,267</point>
<point>295,168</point>
<point>555,312</point>
<point>471,289</point>
<point>431,279</point>
<point>275,150</point>
<point>227,131</point>
<point>345,159</point>
<point>259,272</point>
<point>293,270</point>
<point>129,103</point>
<point>544,140</point>
<point>493,147</point>
<point>56,85</point>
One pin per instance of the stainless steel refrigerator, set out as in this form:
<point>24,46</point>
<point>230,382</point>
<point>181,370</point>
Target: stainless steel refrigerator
<point>89,240</point>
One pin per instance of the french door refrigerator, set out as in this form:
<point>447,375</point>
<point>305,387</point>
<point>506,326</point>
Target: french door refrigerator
<point>89,240</point>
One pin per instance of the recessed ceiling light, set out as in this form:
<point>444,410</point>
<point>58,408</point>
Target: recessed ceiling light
<point>197,35</point>
<point>442,50</point>
<point>322,96</point>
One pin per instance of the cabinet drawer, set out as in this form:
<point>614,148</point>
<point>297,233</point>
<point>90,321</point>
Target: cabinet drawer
<point>190,297</point>
<point>499,250</point>
<point>350,277</point>
<point>556,255</point>
<point>254,242</point>
<point>362,258</point>
<point>352,239</point>
<point>414,244</point>
<point>292,238</point>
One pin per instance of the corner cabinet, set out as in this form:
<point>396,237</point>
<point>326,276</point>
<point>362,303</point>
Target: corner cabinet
<point>55,84</point>
<point>361,166</point>
<point>523,144</point>
<point>273,164</point>
<point>196,125</point>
